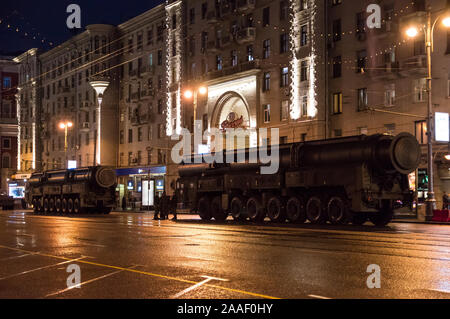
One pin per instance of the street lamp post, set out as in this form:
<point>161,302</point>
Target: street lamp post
<point>65,126</point>
<point>99,87</point>
<point>429,43</point>
<point>193,94</point>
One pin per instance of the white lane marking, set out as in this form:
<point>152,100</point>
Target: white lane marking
<point>318,297</point>
<point>185,291</point>
<point>14,257</point>
<point>440,290</point>
<point>200,258</point>
<point>41,268</point>
<point>87,282</point>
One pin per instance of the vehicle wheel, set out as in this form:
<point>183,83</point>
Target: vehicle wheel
<point>237,209</point>
<point>33,203</point>
<point>64,206</point>
<point>46,206</point>
<point>218,212</point>
<point>295,210</point>
<point>337,211</point>
<point>256,212</point>
<point>384,216</point>
<point>58,206</point>
<point>70,206</point>
<point>359,219</point>
<point>76,206</point>
<point>276,210</point>
<point>314,211</point>
<point>39,206</point>
<point>204,208</point>
<point>51,205</point>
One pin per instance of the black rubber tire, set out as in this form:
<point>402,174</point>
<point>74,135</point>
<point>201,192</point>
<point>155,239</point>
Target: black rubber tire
<point>204,208</point>
<point>70,206</point>
<point>295,210</point>
<point>64,206</point>
<point>76,206</point>
<point>58,206</point>
<point>384,216</point>
<point>217,211</point>
<point>276,209</point>
<point>51,205</point>
<point>315,211</point>
<point>45,206</point>
<point>256,212</point>
<point>359,219</point>
<point>337,211</point>
<point>237,209</point>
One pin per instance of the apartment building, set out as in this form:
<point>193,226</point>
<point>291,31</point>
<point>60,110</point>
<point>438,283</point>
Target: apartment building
<point>69,99</point>
<point>8,120</point>
<point>250,64</point>
<point>377,77</point>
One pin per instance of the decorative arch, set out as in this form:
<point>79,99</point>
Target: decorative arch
<point>239,104</point>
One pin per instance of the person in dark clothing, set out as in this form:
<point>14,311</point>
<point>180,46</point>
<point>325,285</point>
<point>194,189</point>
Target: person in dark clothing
<point>124,203</point>
<point>445,201</point>
<point>164,206</point>
<point>173,206</point>
<point>157,205</point>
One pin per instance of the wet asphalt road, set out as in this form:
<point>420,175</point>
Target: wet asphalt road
<point>128,255</point>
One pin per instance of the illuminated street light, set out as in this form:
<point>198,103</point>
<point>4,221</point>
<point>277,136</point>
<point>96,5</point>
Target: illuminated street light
<point>193,93</point>
<point>99,87</point>
<point>65,126</point>
<point>429,43</point>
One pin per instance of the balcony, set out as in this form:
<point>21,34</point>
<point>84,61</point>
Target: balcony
<point>136,96</point>
<point>245,5</point>
<point>85,106</point>
<point>213,46</point>
<point>246,35</point>
<point>212,17</point>
<point>139,119</point>
<point>414,66</point>
<point>133,74</point>
<point>148,69</point>
<point>8,120</point>
<point>388,71</point>
<point>242,67</point>
<point>85,127</point>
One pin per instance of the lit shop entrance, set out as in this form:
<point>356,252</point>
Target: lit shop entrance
<point>138,187</point>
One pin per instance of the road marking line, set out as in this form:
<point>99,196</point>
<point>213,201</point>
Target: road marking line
<point>40,268</point>
<point>146,273</point>
<point>13,257</point>
<point>86,282</point>
<point>318,297</point>
<point>441,291</point>
<point>185,291</point>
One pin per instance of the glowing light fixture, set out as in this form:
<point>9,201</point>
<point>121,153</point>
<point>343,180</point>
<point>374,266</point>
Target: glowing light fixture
<point>99,87</point>
<point>412,32</point>
<point>188,94</point>
<point>446,22</point>
<point>202,90</point>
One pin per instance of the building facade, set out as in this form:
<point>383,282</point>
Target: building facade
<point>8,120</point>
<point>377,77</point>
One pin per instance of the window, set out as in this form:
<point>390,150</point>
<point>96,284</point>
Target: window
<point>420,87</point>
<point>337,132</point>
<point>139,134</point>
<point>159,57</point>
<point>337,30</point>
<point>219,62</point>
<point>121,138</point>
<point>204,10</point>
<point>284,77</point>
<point>303,4</point>
<point>363,130</point>
<point>284,10</point>
<point>421,132</point>
<point>266,16</point>
<point>234,58</point>
<point>284,111</point>
<point>266,49</point>
<point>337,103</point>
<point>6,161</point>
<point>266,108</point>
<point>249,52</point>
<point>304,71</point>
<point>390,128</point>
<point>304,35</point>
<point>362,99</point>
<point>7,82</point>
<point>6,143</point>
<point>337,67</point>
<point>192,15</point>
<point>284,43</point>
<point>130,135</point>
<point>389,95</point>
<point>361,57</point>
<point>304,105</point>
<point>266,81</point>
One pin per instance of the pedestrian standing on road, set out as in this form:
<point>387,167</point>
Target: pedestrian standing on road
<point>157,206</point>
<point>445,201</point>
<point>124,203</point>
<point>173,206</point>
<point>164,206</point>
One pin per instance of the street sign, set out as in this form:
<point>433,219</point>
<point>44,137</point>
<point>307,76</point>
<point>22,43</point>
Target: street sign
<point>442,127</point>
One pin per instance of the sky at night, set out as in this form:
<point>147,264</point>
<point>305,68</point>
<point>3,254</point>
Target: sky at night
<point>46,20</point>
